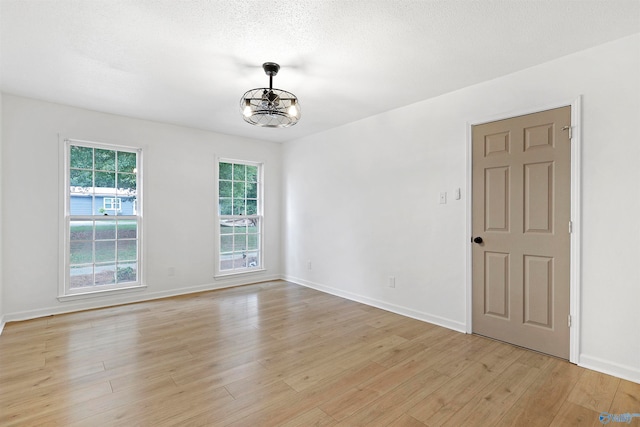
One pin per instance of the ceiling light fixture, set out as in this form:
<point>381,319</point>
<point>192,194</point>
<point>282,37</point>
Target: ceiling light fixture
<point>269,107</point>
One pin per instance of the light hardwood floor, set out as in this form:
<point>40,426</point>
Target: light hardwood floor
<point>277,354</point>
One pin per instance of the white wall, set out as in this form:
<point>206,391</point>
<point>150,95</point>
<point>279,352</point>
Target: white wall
<point>179,182</point>
<point>1,226</point>
<point>361,201</point>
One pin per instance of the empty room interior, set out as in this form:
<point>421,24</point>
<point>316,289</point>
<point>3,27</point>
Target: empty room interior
<point>276,213</point>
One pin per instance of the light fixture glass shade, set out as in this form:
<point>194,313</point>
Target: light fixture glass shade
<point>269,107</point>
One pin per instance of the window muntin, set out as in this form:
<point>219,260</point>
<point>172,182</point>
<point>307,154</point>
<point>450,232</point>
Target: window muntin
<point>102,222</point>
<point>240,217</point>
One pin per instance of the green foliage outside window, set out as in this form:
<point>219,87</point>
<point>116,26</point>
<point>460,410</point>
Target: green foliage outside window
<point>95,167</point>
<point>238,189</point>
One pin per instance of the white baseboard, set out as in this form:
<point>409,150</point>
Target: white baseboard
<point>404,311</point>
<point>90,304</point>
<point>629,373</point>
<point>2,323</point>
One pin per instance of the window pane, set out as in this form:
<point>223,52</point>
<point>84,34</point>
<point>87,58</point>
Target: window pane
<point>106,205</point>
<point>126,161</point>
<point>226,226</point>
<point>233,261</point>
<point>253,242</point>
<point>127,250</point>
<point>105,180</point>
<point>127,272</point>
<point>80,276</point>
<point>105,160</point>
<point>105,251</point>
<point>81,252</point>
<point>238,172</point>
<point>81,178</point>
<point>127,204</point>
<point>240,227</point>
<point>238,207</point>
<point>253,259</point>
<point>224,189</point>
<point>253,226</point>
<point>226,243</point>
<point>225,207</point>
<point>252,190</point>
<point>225,261</point>
<point>127,229</point>
<point>239,242</point>
<point>105,230</point>
<point>105,274</point>
<point>252,174</point>
<point>127,181</point>
<point>80,204</point>
<point>81,157</point>
<point>225,171</point>
<point>252,207</point>
<point>81,230</point>
<point>238,190</point>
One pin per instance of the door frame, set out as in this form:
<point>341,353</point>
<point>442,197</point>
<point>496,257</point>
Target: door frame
<point>576,216</point>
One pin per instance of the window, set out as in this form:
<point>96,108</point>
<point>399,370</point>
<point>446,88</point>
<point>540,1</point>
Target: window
<point>240,217</point>
<point>102,219</point>
<point>112,204</point>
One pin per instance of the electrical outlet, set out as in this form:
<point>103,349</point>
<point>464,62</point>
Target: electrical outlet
<point>171,271</point>
<point>309,265</point>
<point>443,198</point>
<point>392,282</point>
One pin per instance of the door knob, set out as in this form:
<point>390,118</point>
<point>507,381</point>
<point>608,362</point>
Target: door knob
<point>477,240</point>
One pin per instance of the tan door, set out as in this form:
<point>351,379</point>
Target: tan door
<point>521,211</point>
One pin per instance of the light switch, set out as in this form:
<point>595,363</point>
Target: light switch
<point>458,194</point>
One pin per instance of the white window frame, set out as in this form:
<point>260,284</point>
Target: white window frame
<point>65,293</point>
<point>219,273</point>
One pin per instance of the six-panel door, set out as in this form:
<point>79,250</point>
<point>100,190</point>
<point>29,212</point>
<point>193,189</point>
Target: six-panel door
<point>521,209</point>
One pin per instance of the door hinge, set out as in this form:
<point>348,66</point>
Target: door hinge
<point>570,227</point>
<point>569,320</point>
<point>570,129</point>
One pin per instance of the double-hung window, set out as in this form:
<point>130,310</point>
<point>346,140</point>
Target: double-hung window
<point>239,216</point>
<point>102,220</point>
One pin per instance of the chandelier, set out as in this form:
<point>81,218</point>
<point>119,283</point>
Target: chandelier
<point>269,107</point>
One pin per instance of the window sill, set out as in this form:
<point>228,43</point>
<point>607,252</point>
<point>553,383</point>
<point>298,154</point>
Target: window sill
<point>219,276</point>
<point>101,293</point>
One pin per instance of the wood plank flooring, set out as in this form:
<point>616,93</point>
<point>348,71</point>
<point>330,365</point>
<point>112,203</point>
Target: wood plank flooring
<point>277,354</point>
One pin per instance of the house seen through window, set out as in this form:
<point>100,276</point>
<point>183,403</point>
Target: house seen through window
<point>112,204</point>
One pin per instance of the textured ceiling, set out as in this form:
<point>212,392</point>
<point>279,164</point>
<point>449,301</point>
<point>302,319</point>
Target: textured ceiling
<point>189,62</point>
